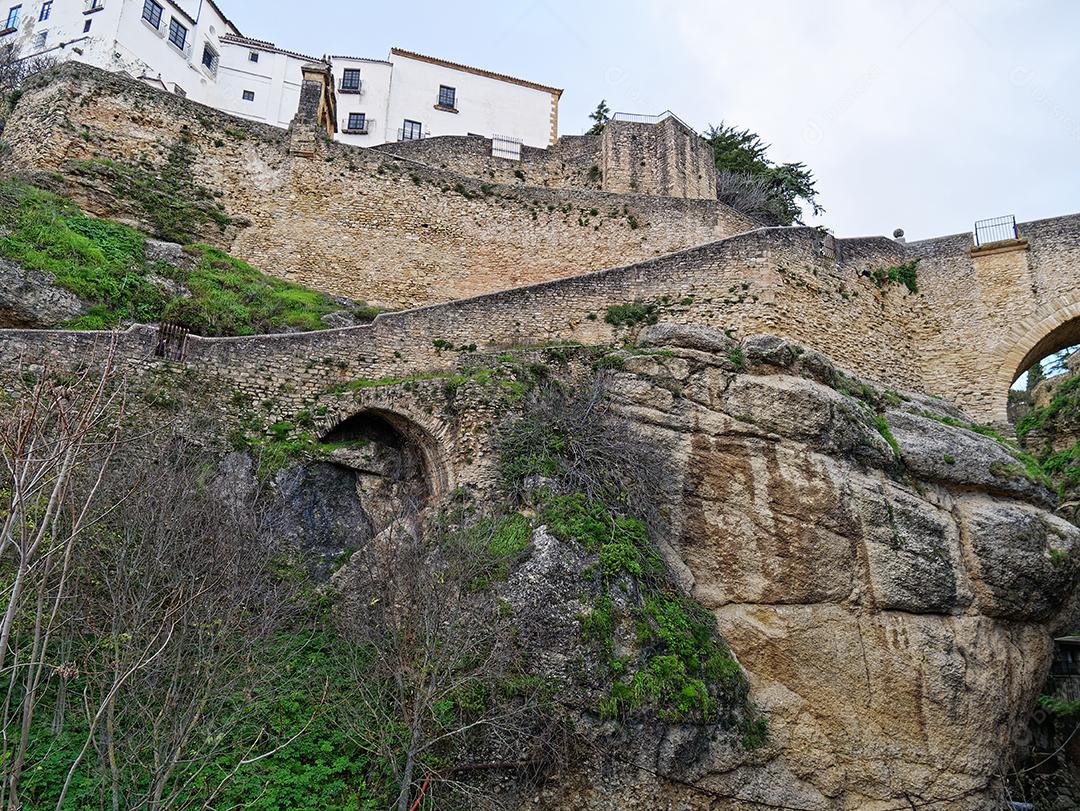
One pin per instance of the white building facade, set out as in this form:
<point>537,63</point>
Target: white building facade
<point>190,47</point>
<point>174,44</point>
<point>410,96</point>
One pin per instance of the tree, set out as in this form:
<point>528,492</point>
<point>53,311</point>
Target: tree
<point>434,667</point>
<point>138,603</point>
<point>600,116</point>
<point>750,182</point>
<point>14,70</point>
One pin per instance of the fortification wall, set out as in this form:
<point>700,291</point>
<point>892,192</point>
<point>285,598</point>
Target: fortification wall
<point>666,159</point>
<point>658,160</point>
<point>572,163</point>
<point>768,281</point>
<point>345,219</point>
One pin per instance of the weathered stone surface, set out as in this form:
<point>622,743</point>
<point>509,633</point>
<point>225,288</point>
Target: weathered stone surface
<point>1024,560</point>
<point>30,298</point>
<point>321,513</point>
<point>894,613</point>
<point>934,451</point>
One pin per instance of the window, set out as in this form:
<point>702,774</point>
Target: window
<point>13,17</point>
<point>249,95</point>
<point>253,56</point>
<point>39,39</point>
<point>94,5</point>
<point>350,79</point>
<point>86,26</point>
<point>151,12</point>
<point>447,96</point>
<point>177,34</point>
<point>357,122</point>
<point>412,130</point>
<point>46,10</point>
<point>209,59</point>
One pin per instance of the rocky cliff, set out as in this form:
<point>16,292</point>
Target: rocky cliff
<point>887,575</point>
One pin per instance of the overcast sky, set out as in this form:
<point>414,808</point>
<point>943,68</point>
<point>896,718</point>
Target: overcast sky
<point>920,114</point>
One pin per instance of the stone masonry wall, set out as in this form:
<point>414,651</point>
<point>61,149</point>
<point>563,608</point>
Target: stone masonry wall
<point>657,160</point>
<point>571,163</point>
<point>666,159</point>
<point>768,281</point>
<point>347,220</point>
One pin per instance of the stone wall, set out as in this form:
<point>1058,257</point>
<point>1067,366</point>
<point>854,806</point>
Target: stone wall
<point>658,160</point>
<point>344,219</point>
<point>572,163</point>
<point>772,280</point>
<point>666,159</point>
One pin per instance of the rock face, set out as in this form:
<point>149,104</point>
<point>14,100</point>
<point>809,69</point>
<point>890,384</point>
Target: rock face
<point>889,582</point>
<point>29,298</point>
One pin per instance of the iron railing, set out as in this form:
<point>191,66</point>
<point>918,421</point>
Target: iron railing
<point>171,341</point>
<point>411,134</point>
<point>643,118</point>
<point>996,229</point>
<point>503,146</point>
<point>355,88</point>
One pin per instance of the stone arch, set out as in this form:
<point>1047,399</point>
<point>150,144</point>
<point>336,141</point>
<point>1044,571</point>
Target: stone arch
<point>385,442</point>
<point>1034,339</point>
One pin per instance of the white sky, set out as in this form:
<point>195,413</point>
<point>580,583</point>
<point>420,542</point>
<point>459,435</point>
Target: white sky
<point>922,114</point>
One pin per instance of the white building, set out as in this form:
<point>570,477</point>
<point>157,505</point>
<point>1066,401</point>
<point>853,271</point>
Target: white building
<point>174,44</point>
<point>260,81</point>
<point>413,96</point>
<point>190,47</point>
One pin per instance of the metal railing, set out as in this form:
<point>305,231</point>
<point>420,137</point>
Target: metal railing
<point>503,146</point>
<point>996,229</point>
<point>411,134</point>
<point>356,89</point>
<point>643,118</point>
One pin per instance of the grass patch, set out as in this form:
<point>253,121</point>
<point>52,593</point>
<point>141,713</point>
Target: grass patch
<point>905,274</point>
<point>104,263</point>
<point>631,313</point>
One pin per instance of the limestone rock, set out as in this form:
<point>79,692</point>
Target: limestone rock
<point>29,298</point>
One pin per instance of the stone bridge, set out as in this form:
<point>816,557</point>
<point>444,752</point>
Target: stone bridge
<point>980,317</point>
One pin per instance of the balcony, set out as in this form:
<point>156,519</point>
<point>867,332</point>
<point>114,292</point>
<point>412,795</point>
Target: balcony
<point>90,6</point>
<point>411,135</point>
<point>352,89</point>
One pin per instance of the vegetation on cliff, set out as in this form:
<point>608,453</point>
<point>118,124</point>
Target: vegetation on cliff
<point>108,266</point>
<point>750,182</point>
<point>1049,433</point>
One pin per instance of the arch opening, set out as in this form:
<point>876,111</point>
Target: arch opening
<point>398,466</point>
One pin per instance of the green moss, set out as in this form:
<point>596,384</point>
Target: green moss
<point>178,207</point>
<point>635,312</point>
<point>905,274</point>
<point>684,668</point>
<point>104,264</point>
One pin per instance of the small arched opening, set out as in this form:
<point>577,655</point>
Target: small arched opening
<point>398,464</point>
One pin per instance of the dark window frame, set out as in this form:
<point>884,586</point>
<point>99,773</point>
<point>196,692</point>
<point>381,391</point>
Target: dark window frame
<point>13,16</point>
<point>253,56</point>
<point>447,97</point>
<point>412,130</point>
<point>151,13</point>
<point>357,122</point>
<point>212,65</point>
<point>46,10</point>
<point>86,26</point>
<point>348,74</point>
<point>248,95</point>
<point>174,26</point>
